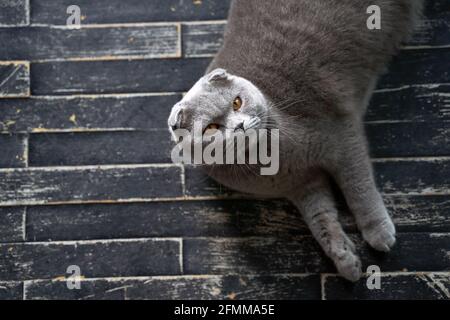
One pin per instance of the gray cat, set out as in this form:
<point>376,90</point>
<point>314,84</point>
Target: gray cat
<point>307,68</point>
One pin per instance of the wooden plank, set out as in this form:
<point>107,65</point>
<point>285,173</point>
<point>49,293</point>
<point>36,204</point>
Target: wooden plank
<point>202,39</point>
<point>11,290</point>
<point>409,68</point>
<point>14,13</point>
<point>14,151</point>
<point>408,139</point>
<point>91,43</point>
<point>413,252</point>
<point>434,29</point>
<point>135,257</point>
<point>410,103</point>
<point>14,79</point>
<point>213,218</point>
<point>398,286</point>
<point>284,287</point>
<point>92,184</point>
<point>148,111</point>
<point>113,11</point>
<point>414,67</point>
<point>71,77</point>
<point>12,224</point>
<point>86,113</point>
<point>128,147</point>
<point>69,149</point>
<point>394,176</point>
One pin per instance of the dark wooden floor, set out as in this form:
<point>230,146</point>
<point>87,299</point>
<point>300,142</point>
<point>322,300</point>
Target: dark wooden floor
<point>86,177</point>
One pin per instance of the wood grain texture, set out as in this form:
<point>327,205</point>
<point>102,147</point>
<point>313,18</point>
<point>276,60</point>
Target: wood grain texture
<point>11,290</point>
<point>411,103</point>
<point>161,75</point>
<point>147,111</point>
<point>256,255</point>
<point>137,257</point>
<point>102,43</point>
<point>100,148</point>
<point>127,147</point>
<point>14,150</point>
<point>115,11</point>
<point>202,40</point>
<point>14,13</point>
<point>213,218</point>
<point>406,286</point>
<point>86,113</point>
<point>14,79</point>
<point>12,224</point>
<point>292,287</point>
<point>72,184</point>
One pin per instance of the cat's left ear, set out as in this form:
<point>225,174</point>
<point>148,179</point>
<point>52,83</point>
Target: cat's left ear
<point>218,75</point>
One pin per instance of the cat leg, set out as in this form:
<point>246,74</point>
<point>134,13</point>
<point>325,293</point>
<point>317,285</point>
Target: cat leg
<point>353,173</point>
<point>319,212</point>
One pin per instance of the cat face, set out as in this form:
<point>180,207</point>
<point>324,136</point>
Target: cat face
<point>220,101</point>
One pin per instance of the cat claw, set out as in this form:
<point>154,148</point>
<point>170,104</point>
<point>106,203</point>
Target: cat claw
<point>382,236</point>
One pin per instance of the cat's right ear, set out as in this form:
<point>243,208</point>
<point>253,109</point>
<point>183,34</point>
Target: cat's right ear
<point>218,75</point>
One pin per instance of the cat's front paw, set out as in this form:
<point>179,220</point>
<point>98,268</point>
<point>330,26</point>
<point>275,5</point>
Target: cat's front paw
<point>381,236</point>
<point>349,266</point>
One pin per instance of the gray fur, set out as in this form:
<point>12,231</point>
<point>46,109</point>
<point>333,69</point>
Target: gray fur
<point>311,67</point>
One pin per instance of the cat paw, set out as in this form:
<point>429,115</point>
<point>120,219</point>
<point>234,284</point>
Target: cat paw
<point>349,266</point>
<point>382,236</point>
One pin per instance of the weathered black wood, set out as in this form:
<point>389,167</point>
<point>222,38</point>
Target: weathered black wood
<point>416,103</point>
<point>423,176</point>
<point>215,218</point>
<point>100,148</point>
<point>154,146</point>
<point>413,252</point>
<point>113,11</point>
<point>139,257</point>
<point>409,139</point>
<point>72,184</point>
<point>45,43</point>
<point>13,151</point>
<point>409,286</point>
<point>200,39</point>
<point>12,224</point>
<point>435,28</point>
<point>145,112</point>
<point>160,75</point>
<point>14,79</point>
<point>14,13</point>
<point>86,113</point>
<point>414,67</point>
<point>11,290</point>
<point>231,287</point>
<point>413,176</point>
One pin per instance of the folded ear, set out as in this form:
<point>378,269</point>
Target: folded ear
<point>218,75</point>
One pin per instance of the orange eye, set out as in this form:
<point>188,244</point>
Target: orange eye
<point>211,128</point>
<point>237,104</point>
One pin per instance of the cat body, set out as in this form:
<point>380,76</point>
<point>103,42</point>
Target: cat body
<point>307,68</point>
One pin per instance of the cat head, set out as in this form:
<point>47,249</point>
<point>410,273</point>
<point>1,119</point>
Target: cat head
<point>220,101</point>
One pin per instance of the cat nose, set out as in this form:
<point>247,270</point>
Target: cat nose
<point>240,126</point>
